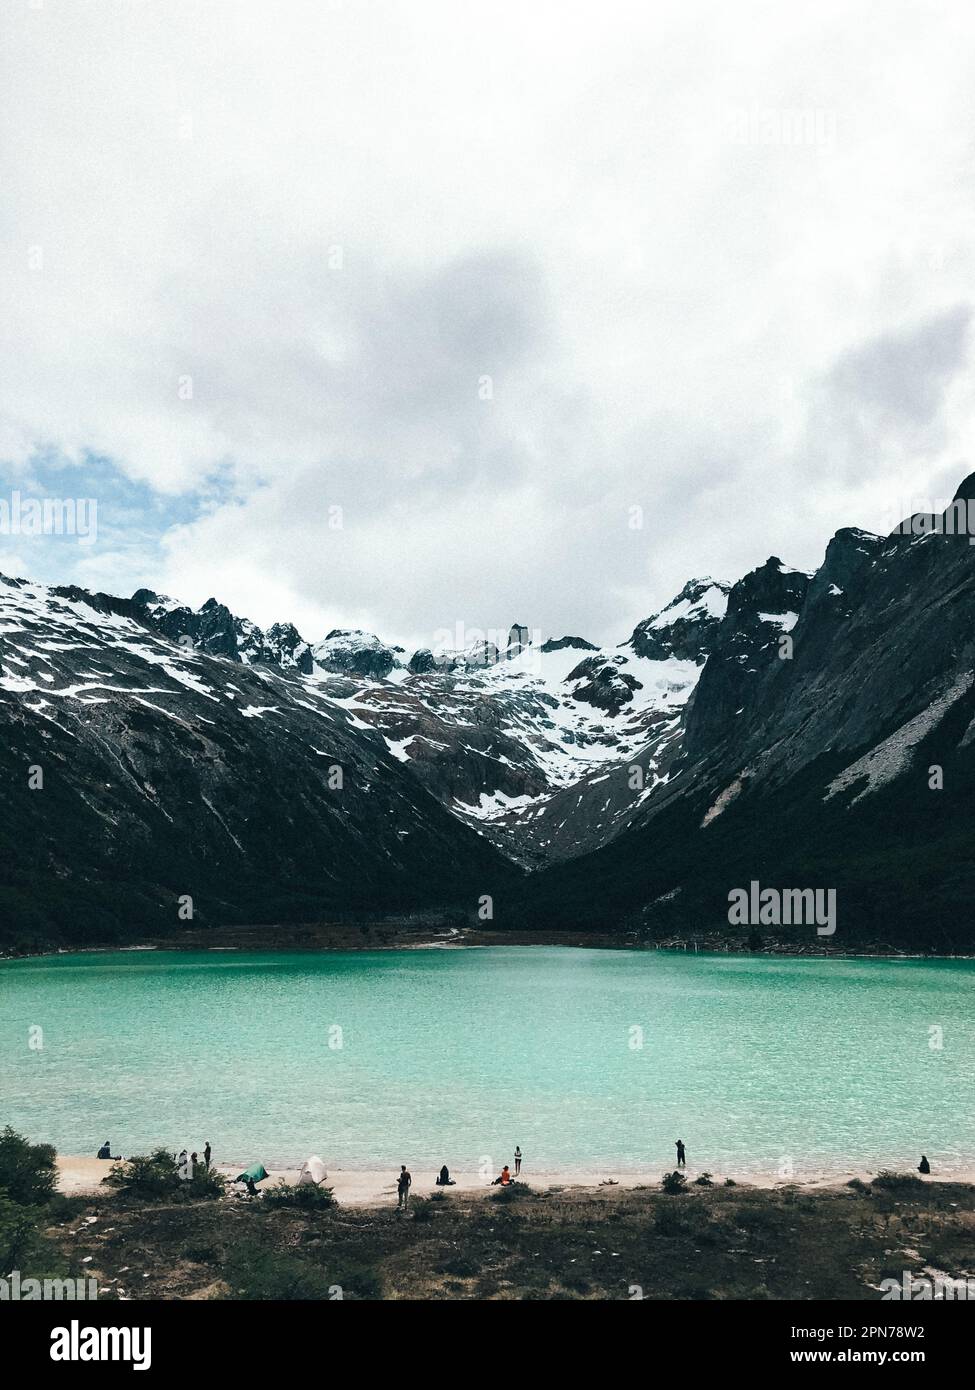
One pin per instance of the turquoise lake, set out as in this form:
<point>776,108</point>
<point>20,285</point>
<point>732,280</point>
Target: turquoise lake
<point>454,1055</point>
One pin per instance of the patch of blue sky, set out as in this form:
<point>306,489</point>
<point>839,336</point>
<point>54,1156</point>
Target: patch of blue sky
<point>131,520</point>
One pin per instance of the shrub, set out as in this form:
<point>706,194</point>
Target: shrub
<point>28,1172</point>
<point>897,1182</point>
<point>690,1219</point>
<point>577,1282</point>
<point>361,1282</point>
<point>202,1254</point>
<point>18,1234</point>
<point>157,1177</point>
<point>257,1273</point>
<point>674,1182</point>
<point>460,1266</point>
<point>759,1219</point>
<point>22,1244</point>
<point>421,1209</point>
<point>305,1196</point>
<point>703,1180</point>
<point>514,1192</point>
<point>730,1182</point>
<point>254,1273</point>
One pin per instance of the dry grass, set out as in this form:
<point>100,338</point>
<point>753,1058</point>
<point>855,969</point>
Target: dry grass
<point>717,1243</point>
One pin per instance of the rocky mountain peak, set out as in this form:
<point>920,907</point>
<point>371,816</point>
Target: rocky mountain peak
<point>965,491</point>
<point>559,644</point>
<point>686,627</point>
<point>772,588</point>
<point>352,652</point>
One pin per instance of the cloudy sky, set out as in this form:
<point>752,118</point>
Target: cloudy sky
<point>404,315</point>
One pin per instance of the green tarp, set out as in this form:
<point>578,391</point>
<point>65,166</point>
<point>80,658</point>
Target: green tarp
<point>256,1172</point>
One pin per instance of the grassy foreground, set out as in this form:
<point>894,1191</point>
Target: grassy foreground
<point>607,1243</point>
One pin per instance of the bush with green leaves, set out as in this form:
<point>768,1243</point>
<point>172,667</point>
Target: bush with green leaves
<point>28,1182</point>
<point>304,1196</point>
<point>28,1172</point>
<point>674,1182</point>
<point>269,1275</point>
<point>18,1234</point>
<point>157,1177</point>
<point>703,1180</point>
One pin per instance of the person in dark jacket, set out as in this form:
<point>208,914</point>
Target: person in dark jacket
<point>403,1184</point>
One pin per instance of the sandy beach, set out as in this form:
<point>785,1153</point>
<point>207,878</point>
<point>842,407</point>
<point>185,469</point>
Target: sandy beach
<point>369,1187</point>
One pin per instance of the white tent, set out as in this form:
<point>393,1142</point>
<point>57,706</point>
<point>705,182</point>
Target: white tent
<point>312,1170</point>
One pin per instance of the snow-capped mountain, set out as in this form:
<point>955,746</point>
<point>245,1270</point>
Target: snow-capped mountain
<point>350,652</point>
<point>214,629</point>
<point>145,775</point>
<point>788,724</point>
<point>520,741</point>
<point>830,742</point>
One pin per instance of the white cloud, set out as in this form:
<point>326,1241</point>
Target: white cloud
<point>673,236</point>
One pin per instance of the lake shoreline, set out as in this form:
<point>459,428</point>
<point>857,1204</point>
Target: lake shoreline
<point>375,1187</point>
<point>391,935</point>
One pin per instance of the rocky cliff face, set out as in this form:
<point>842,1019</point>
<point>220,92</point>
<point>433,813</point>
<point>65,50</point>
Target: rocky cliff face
<point>830,742</point>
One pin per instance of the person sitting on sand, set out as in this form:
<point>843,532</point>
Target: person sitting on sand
<point>924,1166</point>
<point>504,1178</point>
<point>106,1151</point>
<point>444,1179</point>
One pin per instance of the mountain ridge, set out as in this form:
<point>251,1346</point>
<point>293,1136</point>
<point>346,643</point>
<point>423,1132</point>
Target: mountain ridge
<point>635,783</point>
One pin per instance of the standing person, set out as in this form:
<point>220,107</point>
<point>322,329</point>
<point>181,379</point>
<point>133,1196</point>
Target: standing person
<point>403,1184</point>
<point>681,1154</point>
<point>517,1160</point>
<point>206,1155</point>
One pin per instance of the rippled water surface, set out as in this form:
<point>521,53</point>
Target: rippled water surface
<point>455,1055</point>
